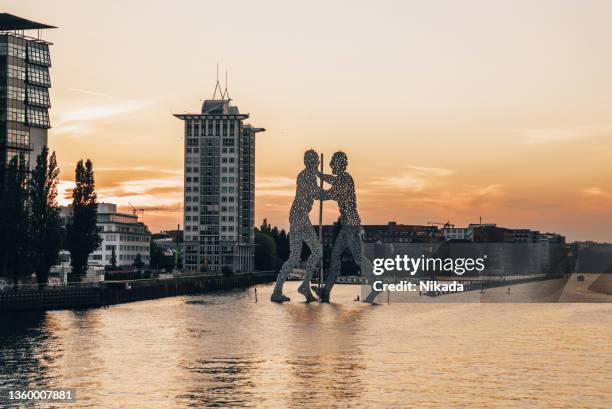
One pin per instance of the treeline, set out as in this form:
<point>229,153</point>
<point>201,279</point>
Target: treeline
<point>31,230</point>
<point>272,247</point>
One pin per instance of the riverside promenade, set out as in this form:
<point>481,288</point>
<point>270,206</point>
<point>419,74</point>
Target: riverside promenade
<point>88,295</point>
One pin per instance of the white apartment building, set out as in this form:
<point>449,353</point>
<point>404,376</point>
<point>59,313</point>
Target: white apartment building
<point>120,231</point>
<point>219,195</point>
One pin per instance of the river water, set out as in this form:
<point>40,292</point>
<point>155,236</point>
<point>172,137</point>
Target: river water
<point>226,350</point>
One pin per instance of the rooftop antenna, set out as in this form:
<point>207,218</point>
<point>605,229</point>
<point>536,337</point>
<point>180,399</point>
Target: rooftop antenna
<point>225,92</point>
<point>217,85</point>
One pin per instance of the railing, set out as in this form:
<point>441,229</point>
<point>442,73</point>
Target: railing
<point>9,287</point>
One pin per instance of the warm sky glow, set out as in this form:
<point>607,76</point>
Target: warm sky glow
<point>448,110</point>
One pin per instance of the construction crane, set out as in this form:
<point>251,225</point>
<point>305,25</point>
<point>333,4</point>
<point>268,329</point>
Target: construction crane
<point>445,225</point>
<point>134,210</point>
<point>153,209</point>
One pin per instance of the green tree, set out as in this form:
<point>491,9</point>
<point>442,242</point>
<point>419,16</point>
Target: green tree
<point>282,246</point>
<point>113,259</point>
<point>280,237</point>
<point>158,259</point>
<point>138,263</point>
<point>15,250</point>
<point>265,252</point>
<point>82,232</point>
<point>178,258</point>
<point>45,224</point>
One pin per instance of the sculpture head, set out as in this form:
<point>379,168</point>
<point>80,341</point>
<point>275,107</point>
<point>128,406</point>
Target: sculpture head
<point>311,159</point>
<point>338,163</point>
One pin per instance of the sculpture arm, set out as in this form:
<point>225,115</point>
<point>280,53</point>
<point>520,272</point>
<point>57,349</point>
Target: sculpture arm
<point>330,194</point>
<point>327,178</point>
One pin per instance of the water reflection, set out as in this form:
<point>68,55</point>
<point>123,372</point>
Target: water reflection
<point>24,357</point>
<point>226,350</point>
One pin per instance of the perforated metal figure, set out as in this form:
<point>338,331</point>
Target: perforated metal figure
<point>301,229</point>
<point>343,192</point>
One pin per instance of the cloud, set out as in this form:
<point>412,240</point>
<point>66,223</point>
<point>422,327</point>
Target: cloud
<point>596,193</point>
<point>142,186</point>
<point>542,136</point>
<point>82,121</point>
<point>404,181</point>
<point>489,190</point>
<point>432,170</point>
<point>415,178</point>
<point>104,111</point>
<point>84,91</point>
<point>274,186</point>
<point>141,193</point>
<point>64,190</point>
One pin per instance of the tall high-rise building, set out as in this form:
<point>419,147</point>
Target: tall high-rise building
<point>219,192</point>
<point>24,89</point>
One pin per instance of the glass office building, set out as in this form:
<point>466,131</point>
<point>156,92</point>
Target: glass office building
<point>24,89</point>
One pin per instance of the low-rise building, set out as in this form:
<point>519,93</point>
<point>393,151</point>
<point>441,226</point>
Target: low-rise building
<point>458,233</point>
<point>119,231</point>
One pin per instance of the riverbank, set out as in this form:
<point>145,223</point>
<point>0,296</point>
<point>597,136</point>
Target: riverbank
<point>118,292</point>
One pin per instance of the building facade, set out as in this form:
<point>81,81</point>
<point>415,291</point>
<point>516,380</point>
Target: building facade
<point>457,233</point>
<point>119,231</point>
<point>219,192</point>
<point>24,89</point>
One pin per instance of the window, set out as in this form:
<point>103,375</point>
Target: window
<point>38,117</point>
<point>11,153</point>
<point>13,114</point>
<point>38,53</point>
<point>38,75</point>
<point>15,71</point>
<point>38,96</point>
<point>12,92</point>
<point>13,50</point>
<point>18,138</point>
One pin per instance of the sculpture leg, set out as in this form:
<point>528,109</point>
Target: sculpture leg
<point>335,263</point>
<point>295,248</point>
<point>367,271</point>
<point>311,239</point>
<point>365,265</point>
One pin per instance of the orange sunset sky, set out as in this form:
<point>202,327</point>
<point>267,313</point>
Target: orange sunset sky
<point>448,110</point>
